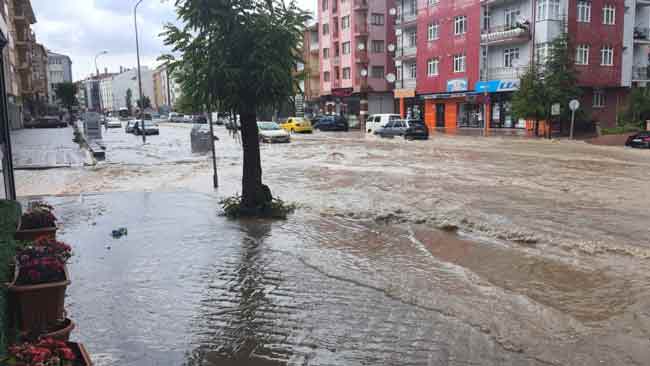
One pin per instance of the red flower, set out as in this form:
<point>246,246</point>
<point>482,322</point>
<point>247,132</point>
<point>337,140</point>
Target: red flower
<point>34,275</point>
<point>66,354</point>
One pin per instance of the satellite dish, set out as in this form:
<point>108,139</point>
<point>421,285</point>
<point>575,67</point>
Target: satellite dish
<point>392,11</point>
<point>398,63</point>
<point>398,32</point>
<point>390,77</point>
<point>364,72</point>
<point>361,46</point>
<point>391,47</point>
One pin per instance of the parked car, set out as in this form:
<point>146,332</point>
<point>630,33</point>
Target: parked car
<point>332,123</point>
<point>150,128</point>
<point>200,138</point>
<point>400,127</point>
<point>176,117</point>
<point>272,132</point>
<point>187,119</point>
<point>130,125</point>
<point>113,123</point>
<point>639,140</point>
<point>297,124</point>
<point>199,119</point>
<point>416,130</point>
<point>46,122</point>
<point>376,121</point>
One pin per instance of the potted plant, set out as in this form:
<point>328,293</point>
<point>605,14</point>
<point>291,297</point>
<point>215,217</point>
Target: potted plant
<point>60,329</point>
<point>48,352</point>
<point>39,285</point>
<point>38,221</point>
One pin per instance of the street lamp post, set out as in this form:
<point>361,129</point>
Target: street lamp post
<point>137,49</point>
<point>96,57</point>
<point>99,82</point>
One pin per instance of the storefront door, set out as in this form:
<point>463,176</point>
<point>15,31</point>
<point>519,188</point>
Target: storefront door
<point>440,115</point>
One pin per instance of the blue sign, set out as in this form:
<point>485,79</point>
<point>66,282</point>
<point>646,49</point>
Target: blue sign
<point>456,85</point>
<point>495,86</point>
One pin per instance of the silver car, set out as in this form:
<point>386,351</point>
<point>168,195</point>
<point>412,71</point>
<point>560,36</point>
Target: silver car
<point>272,132</point>
<point>200,138</point>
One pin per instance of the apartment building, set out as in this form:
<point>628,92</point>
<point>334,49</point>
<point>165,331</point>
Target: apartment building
<point>460,62</point>
<point>25,39</point>
<point>311,51</point>
<point>128,79</point>
<point>356,69</point>
<point>165,89</point>
<point>39,74</point>
<point>106,92</point>
<point>59,70</point>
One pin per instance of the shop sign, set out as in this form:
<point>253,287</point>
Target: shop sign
<point>404,93</point>
<point>496,86</point>
<point>456,85</point>
<point>444,96</point>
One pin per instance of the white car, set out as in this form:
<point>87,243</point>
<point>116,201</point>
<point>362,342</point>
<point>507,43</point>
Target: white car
<point>376,121</point>
<point>113,123</point>
<point>272,132</point>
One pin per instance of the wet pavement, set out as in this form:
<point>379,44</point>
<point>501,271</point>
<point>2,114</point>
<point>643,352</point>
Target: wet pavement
<point>454,251</point>
<point>44,148</point>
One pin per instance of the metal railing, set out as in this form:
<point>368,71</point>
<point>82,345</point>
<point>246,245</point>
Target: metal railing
<point>361,28</point>
<point>505,33</point>
<point>360,4</point>
<point>361,56</point>
<point>314,47</point>
<point>407,17</point>
<point>642,33</point>
<point>408,83</point>
<point>504,73</point>
<point>640,73</point>
<point>406,52</point>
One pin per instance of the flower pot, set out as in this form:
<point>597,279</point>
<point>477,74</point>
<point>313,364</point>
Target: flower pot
<point>62,334</point>
<point>83,358</point>
<point>38,305</point>
<point>33,234</point>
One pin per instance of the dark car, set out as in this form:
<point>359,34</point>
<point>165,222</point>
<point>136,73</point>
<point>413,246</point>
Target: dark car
<point>332,123</point>
<point>640,140</point>
<point>199,120</point>
<point>416,130</point>
<point>46,122</point>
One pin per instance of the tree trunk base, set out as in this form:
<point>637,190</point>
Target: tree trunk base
<point>259,204</point>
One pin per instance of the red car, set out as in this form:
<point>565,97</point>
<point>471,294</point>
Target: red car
<point>640,140</point>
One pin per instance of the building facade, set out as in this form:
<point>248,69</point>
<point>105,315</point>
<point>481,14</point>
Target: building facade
<point>128,79</point>
<point>311,51</point>
<point>356,69</point>
<point>106,93</point>
<point>165,90</point>
<point>39,74</point>
<point>59,70</point>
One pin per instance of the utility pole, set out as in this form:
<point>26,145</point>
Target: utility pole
<point>137,48</point>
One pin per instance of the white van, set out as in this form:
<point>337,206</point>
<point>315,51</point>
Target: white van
<point>380,120</point>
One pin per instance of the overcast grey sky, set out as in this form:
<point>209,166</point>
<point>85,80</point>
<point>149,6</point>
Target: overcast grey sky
<point>83,28</point>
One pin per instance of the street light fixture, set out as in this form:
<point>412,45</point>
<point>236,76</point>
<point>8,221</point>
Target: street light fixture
<point>137,49</point>
<point>96,57</point>
<point>99,86</point>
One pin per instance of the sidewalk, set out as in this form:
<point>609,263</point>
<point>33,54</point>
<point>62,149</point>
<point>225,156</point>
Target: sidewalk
<point>46,148</point>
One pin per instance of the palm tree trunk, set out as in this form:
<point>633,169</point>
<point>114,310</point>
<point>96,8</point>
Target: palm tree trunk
<point>255,195</point>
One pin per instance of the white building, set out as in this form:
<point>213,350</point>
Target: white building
<point>59,70</point>
<point>129,80</point>
<point>106,94</point>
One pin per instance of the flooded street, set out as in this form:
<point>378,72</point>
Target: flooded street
<point>455,251</point>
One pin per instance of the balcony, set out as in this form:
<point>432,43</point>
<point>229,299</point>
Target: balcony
<point>407,17</point>
<point>361,84</point>
<point>336,84</point>
<point>335,34</point>
<point>642,2</point>
<point>641,73</point>
<point>642,35</point>
<point>361,57</point>
<point>314,48</point>
<point>506,34</point>
<point>361,29</point>
<point>502,73</point>
<point>409,83</point>
<point>24,14</point>
<point>363,4</point>
<point>406,52</point>
<point>336,61</point>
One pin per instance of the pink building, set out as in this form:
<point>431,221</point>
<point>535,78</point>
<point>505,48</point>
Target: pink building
<point>354,60</point>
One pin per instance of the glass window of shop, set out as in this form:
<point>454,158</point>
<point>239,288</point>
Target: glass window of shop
<point>502,117</point>
<point>470,115</point>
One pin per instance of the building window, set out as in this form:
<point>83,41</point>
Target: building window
<point>345,22</point>
<point>346,73</point>
<point>584,11</point>
<point>377,72</point>
<point>609,14</point>
<point>412,7</point>
<point>377,19</point>
<point>326,29</point>
<point>512,17</point>
<point>326,53</point>
<point>599,99</point>
<point>432,3</point>
<point>432,67</point>
<point>432,32</point>
<point>326,76</point>
<point>412,71</point>
<point>548,10</point>
<point>607,56</point>
<point>345,48</point>
<point>542,52</point>
<point>377,46</point>
<point>412,38</point>
<point>582,54</point>
<point>510,57</point>
<point>459,63</point>
<point>460,25</point>
<point>486,18</point>
<point>324,5</point>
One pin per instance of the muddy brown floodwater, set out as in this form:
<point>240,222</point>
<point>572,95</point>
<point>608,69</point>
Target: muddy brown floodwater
<point>454,251</point>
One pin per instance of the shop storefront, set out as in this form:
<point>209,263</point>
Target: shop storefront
<point>408,105</point>
<point>499,97</point>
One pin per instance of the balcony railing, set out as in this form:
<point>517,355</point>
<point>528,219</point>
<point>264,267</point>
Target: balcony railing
<point>336,60</point>
<point>336,84</point>
<point>641,73</point>
<point>406,52</point>
<point>506,34</point>
<point>314,47</point>
<point>361,57</point>
<point>408,16</point>
<point>361,83</point>
<point>409,83</point>
<point>504,73</point>
<point>641,34</point>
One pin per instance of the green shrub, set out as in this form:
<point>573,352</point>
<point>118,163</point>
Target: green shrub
<point>276,209</point>
<point>9,216</point>
<point>627,128</point>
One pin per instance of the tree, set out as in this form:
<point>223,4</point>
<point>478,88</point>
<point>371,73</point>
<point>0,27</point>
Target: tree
<point>146,101</point>
<point>66,92</point>
<point>129,101</point>
<point>544,85</point>
<point>238,55</point>
<point>638,108</point>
